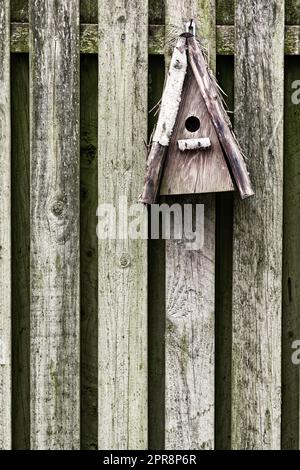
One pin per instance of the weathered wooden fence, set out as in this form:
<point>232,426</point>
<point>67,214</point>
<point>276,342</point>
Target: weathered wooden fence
<point>131,344</point>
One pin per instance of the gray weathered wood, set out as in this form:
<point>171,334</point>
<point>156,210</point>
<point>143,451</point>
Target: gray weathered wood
<point>257,257</point>
<point>189,413</point>
<point>220,119</point>
<point>5,245</point>
<point>169,106</point>
<point>122,262</point>
<point>156,39</point>
<point>54,93</point>
<point>195,171</point>
<point>193,144</point>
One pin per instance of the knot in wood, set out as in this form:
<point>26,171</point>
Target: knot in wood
<point>58,207</point>
<point>125,260</point>
<point>178,65</point>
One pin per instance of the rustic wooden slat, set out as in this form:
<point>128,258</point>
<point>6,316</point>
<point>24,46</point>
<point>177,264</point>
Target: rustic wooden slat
<point>20,251</point>
<point>226,39</point>
<point>122,262</point>
<point>54,94</point>
<point>187,172</point>
<point>203,12</point>
<point>156,42</point>
<point>224,11</point>
<point>291,259</point>
<point>89,251</point>
<point>169,105</point>
<point>189,340</point>
<point>257,257</point>
<point>5,232</point>
<point>220,119</point>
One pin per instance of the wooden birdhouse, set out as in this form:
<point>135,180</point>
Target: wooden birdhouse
<point>194,149</point>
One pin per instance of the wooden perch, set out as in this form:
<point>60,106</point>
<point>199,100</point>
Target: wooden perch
<point>219,118</point>
<point>194,144</point>
<point>166,121</point>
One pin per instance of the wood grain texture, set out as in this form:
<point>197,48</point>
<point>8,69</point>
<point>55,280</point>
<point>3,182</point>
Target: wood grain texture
<point>54,94</point>
<point>194,171</point>
<point>171,97</point>
<point>122,297</point>
<point>189,339</point>
<point>20,251</point>
<point>204,14</point>
<point>291,257</point>
<point>170,103</point>
<point>156,39</point>
<point>89,251</point>
<point>226,40</point>
<point>225,12</point>
<point>257,257</point>
<point>220,119</point>
<point>5,232</point>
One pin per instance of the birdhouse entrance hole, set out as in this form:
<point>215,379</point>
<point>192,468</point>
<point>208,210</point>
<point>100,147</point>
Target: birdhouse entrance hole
<point>192,124</point>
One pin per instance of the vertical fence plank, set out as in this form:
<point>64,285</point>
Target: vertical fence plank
<point>54,93</point>
<point>190,277</point>
<point>122,262</point>
<point>257,258</point>
<point>5,248</point>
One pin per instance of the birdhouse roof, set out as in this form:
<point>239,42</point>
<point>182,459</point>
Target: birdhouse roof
<point>188,53</point>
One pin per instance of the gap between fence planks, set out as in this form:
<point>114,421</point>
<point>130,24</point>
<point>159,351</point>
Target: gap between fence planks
<point>291,254</point>
<point>123,72</point>
<point>5,232</point>
<point>257,252</point>
<point>190,277</point>
<point>54,95</point>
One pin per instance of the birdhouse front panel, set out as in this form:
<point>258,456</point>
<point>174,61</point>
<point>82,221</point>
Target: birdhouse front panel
<point>195,162</point>
<point>194,149</point>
